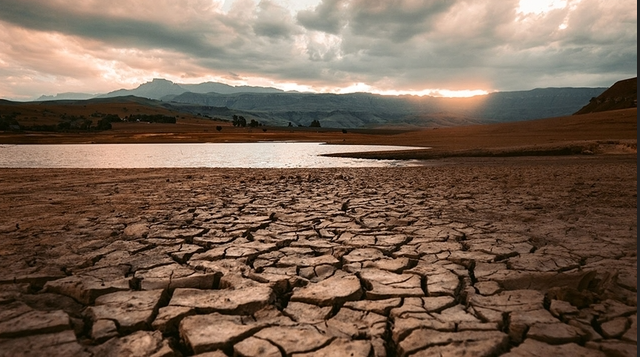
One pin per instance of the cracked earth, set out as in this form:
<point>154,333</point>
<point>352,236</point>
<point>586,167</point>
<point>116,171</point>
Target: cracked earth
<point>476,257</point>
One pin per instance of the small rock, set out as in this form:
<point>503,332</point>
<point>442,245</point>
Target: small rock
<point>87,286</point>
<point>59,344</point>
<point>132,310</point>
<point>614,348</point>
<point>203,333</point>
<point>356,324</point>
<point>216,353</point>
<point>402,327</point>
<point>103,330</point>
<point>139,343</point>
<point>242,301</point>
<point>456,314</point>
<point>35,322</point>
<point>383,284</point>
<point>51,302</point>
<point>169,317</point>
<point>610,309</point>
<point>307,313</point>
<point>175,276</point>
<point>294,339</point>
<point>614,328</point>
<point>254,347</point>
<point>533,348</point>
<point>382,307</point>
<point>487,288</point>
<point>589,333</point>
<point>137,230</point>
<point>342,347</point>
<point>555,334</point>
<point>519,321</point>
<point>511,300</point>
<point>632,333</point>
<point>332,291</point>
<point>560,308</point>
<point>491,342</point>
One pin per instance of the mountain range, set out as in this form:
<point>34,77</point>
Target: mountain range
<point>271,106</point>
<point>158,88</point>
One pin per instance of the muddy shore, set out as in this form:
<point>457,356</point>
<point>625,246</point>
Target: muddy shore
<point>484,256</point>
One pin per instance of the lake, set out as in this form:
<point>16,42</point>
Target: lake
<point>222,155</point>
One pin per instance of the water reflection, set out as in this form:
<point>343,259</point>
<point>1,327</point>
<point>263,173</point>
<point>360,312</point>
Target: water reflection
<point>223,155</point>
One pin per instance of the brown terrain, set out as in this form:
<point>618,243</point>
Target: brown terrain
<point>519,240</point>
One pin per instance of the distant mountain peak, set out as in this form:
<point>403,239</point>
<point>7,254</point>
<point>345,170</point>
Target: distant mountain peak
<point>66,96</point>
<point>159,82</point>
<point>164,89</point>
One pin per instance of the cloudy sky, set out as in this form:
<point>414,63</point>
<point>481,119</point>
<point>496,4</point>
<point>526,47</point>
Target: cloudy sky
<point>436,47</point>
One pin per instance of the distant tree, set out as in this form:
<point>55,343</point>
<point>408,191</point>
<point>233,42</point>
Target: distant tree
<point>86,124</point>
<point>104,124</point>
<point>264,130</point>
<point>344,131</point>
<point>218,128</point>
<point>242,121</point>
<point>63,126</point>
<point>113,118</point>
<point>290,125</point>
<point>254,124</point>
<point>7,122</point>
<point>314,124</point>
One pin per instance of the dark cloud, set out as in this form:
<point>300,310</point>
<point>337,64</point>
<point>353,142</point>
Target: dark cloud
<point>113,30</point>
<point>395,20</point>
<point>329,16</point>
<point>273,21</point>
<point>95,45</point>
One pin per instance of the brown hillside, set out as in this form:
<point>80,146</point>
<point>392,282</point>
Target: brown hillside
<point>623,94</point>
<point>603,132</point>
<point>51,113</point>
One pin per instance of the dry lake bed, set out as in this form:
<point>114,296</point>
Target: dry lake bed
<point>471,257</point>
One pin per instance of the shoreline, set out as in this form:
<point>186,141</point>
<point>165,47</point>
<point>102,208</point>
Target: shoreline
<point>591,147</point>
<point>587,147</point>
<point>613,132</point>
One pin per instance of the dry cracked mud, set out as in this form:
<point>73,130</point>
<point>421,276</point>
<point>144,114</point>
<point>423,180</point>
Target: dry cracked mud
<point>474,257</point>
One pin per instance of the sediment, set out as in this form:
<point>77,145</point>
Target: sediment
<point>480,257</point>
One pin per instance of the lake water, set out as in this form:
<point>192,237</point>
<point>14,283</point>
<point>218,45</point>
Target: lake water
<point>223,155</point>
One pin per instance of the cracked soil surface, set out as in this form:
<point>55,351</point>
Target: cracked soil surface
<point>474,257</point>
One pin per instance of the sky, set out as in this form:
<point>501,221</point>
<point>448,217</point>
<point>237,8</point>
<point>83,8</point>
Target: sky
<point>422,47</point>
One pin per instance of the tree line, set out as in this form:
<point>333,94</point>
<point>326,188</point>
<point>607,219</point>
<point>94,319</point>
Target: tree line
<point>241,121</point>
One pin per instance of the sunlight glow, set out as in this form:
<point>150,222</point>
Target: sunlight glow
<point>540,6</point>
<point>364,88</point>
<point>293,5</point>
<point>465,93</point>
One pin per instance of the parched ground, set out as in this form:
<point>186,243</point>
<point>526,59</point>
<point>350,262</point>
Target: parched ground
<point>477,257</point>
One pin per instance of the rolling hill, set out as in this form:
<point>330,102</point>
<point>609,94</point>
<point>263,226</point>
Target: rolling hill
<point>623,94</point>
